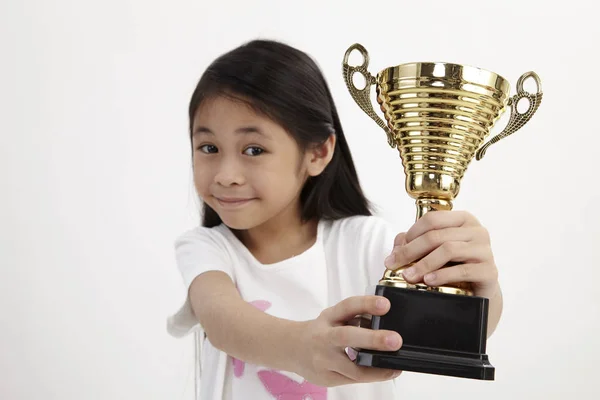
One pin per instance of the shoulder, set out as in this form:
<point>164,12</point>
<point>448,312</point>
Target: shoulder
<point>359,234</point>
<point>204,246</point>
<point>204,249</point>
<point>203,237</point>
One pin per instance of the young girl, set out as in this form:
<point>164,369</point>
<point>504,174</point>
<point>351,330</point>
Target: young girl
<point>288,245</point>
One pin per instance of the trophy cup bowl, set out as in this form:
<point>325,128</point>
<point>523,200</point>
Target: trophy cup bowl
<point>438,116</point>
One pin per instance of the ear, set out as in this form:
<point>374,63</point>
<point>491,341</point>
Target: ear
<point>318,157</point>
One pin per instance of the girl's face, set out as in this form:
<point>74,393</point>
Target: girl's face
<point>246,167</point>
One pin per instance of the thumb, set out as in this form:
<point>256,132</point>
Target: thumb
<point>399,240</point>
<point>349,308</point>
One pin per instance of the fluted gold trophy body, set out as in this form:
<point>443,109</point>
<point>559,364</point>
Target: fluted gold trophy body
<point>438,116</point>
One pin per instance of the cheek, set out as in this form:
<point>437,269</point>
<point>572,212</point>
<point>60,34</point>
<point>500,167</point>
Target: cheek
<point>202,178</point>
<point>275,180</point>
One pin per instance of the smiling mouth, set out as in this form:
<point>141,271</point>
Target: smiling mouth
<point>232,202</point>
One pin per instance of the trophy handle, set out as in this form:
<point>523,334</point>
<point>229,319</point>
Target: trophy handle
<point>517,119</point>
<point>362,97</point>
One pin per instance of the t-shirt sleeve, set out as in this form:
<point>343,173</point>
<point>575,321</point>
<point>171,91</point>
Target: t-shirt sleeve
<point>374,241</point>
<point>365,242</point>
<point>380,243</point>
<point>197,251</point>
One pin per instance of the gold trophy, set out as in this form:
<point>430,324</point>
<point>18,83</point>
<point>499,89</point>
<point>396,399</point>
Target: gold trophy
<point>437,115</point>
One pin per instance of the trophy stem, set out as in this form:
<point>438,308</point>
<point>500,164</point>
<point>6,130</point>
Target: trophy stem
<point>394,278</point>
<point>424,205</point>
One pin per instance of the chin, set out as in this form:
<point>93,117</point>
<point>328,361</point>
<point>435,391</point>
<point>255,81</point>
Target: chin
<point>239,222</point>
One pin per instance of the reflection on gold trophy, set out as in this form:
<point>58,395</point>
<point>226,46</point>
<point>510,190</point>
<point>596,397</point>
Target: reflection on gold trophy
<point>438,116</point>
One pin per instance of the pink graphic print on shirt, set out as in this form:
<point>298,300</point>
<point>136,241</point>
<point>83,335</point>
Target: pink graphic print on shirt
<point>284,388</point>
<point>238,366</point>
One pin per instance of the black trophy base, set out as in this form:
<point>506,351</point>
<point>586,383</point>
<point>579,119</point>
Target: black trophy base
<point>443,334</point>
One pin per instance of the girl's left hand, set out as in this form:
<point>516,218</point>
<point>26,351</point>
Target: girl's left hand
<point>440,237</point>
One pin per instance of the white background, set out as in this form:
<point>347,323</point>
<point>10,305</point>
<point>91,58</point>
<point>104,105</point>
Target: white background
<point>95,180</point>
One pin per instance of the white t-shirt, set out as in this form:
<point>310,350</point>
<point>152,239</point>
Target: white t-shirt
<point>346,260</point>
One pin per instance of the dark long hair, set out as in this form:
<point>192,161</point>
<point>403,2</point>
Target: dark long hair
<point>286,85</point>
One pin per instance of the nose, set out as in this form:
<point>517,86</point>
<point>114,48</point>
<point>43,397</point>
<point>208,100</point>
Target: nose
<point>230,173</point>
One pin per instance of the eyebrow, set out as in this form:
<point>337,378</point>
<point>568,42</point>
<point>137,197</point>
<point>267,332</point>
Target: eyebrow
<point>243,130</point>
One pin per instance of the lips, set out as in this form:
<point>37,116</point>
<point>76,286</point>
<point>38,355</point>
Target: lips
<point>230,202</point>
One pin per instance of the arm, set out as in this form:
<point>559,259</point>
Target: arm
<point>313,349</point>
<point>239,329</point>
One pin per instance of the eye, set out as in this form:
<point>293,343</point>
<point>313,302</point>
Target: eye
<point>208,149</point>
<point>253,151</point>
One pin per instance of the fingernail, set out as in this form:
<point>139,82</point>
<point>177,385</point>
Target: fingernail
<point>430,278</point>
<point>397,374</point>
<point>381,304</point>
<point>390,260</point>
<point>392,341</point>
<point>351,353</point>
<point>409,273</point>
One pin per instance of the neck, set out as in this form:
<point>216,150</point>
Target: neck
<point>283,236</point>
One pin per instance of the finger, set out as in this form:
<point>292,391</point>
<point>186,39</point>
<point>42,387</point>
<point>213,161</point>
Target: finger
<point>440,220</point>
<point>352,336</point>
<point>448,252</point>
<point>357,373</point>
<point>469,272</point>
<point>400,239</point>
<point>429,241</point>
<point>349,308</point>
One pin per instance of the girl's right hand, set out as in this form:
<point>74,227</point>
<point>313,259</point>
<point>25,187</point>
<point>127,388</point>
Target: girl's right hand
<point>323,359</point>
